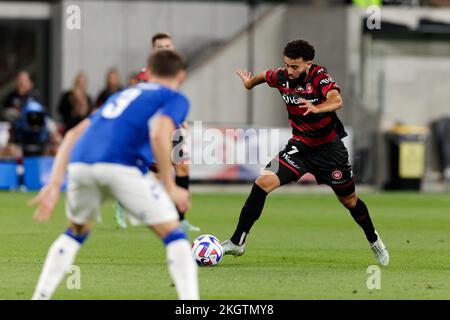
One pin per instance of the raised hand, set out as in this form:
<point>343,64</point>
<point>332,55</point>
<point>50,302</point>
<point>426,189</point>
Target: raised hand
<point>246,77</point>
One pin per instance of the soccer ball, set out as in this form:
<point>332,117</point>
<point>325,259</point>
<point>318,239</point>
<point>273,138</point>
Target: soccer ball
<point>207,250</point>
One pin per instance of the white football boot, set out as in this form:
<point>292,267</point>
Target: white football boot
<point>188,227</point>
<point>380,251</point>
<point>120,215</point>
<point>231,248</point>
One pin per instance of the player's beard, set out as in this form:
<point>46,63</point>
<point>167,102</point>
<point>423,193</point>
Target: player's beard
<point>301,78</point>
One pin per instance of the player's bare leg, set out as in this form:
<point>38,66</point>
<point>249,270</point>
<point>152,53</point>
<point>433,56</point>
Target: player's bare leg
<point>360,214</point>
<point>180,262</point>
<point>59,259</point>
<point>251,212</point>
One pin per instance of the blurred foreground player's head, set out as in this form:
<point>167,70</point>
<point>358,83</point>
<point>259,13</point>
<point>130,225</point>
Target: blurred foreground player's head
<point>166,67</point>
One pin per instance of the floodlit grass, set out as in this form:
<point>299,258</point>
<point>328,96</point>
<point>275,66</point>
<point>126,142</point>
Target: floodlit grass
<point>304,247</point>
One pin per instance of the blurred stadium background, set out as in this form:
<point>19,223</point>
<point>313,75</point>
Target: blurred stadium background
<point>394,75</point>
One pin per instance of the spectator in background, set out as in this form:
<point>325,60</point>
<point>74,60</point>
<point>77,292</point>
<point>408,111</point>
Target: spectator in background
<point>75,104</point>
<point>35,132</point>
<point>113,85</point>
<point>8,150</point>
<point>15,100</point>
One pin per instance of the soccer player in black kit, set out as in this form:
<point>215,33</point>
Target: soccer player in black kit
<point>312,98</point>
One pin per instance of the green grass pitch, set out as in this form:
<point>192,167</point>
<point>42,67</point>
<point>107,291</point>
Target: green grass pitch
<point>304,247</point>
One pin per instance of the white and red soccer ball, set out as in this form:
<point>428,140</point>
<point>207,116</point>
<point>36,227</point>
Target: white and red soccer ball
<point>207,250</point>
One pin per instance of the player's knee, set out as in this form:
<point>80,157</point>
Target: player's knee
<point>164,229</point>
<point>268,182</point>
<point>349,201</point>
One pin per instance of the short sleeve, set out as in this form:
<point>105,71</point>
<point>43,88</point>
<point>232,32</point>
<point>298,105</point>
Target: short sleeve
<point>271,77</point>
<point>326,84</point>
<point>176,108</point>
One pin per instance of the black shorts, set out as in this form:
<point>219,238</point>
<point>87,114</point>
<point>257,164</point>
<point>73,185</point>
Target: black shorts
<point>329,164</point>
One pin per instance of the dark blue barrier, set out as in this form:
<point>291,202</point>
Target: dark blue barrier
<point>37,172</point>
<point>9,179</point>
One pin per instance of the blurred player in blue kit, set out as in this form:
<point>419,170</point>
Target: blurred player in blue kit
<point>107,155</point>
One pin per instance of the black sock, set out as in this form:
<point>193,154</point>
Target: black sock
<point>360,214</point>
<point>249,214</point>
<point>182,182</point>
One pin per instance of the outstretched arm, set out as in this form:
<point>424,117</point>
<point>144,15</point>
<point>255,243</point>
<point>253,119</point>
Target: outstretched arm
<point>250,81</point>
<point>49,194</point>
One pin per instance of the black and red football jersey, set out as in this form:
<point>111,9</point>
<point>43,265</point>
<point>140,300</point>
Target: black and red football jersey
<point>313,130</point>
<point>142,76</point>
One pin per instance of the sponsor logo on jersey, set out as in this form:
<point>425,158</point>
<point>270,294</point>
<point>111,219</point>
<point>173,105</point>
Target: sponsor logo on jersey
<point>326,81</point>
<point>289,99</point>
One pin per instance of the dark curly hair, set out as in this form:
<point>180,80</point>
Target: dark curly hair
<point>299,48</point>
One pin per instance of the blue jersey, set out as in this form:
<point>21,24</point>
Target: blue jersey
<point>120,130</point>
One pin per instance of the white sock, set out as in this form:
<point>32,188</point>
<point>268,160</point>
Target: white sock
<point>59,260</point>
<point>183,269</point>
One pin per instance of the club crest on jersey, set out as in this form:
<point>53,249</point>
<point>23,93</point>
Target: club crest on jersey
<point>309,88</point>
<point>336,174</point>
